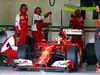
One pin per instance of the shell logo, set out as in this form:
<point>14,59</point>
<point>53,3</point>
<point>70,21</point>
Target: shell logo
<point>45,52</point>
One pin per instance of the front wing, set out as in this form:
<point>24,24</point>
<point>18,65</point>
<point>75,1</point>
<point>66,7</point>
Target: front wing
<point>62,65</point>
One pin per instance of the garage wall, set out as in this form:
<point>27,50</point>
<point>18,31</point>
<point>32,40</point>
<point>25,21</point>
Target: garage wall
<point>9,9</point>
<point>7,12</point>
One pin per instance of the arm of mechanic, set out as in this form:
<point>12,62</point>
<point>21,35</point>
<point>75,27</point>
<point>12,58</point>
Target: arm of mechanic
<point>8,43</point>
<point>27,34</point>
<point>17,25</point>
<point>72,23</point>
<point>38,17</point>
<point>46,15</point>
<point>12,42</point>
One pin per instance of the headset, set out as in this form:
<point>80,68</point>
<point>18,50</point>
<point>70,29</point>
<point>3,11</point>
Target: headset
<point>22,6</point>
<point>17,36</point>
<point>36,9</point>
<point>77,12</point>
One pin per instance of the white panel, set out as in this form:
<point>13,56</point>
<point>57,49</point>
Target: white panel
<point>89,15</point>
<point>72,2</point>
<point>89,37</point>
<point>67,18</point>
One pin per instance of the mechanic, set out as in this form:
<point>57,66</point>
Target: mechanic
<point>21,24</point>
<point>9,46</point>
<point>37,25</point>
<point>77,22</point>
<point>97,36</point>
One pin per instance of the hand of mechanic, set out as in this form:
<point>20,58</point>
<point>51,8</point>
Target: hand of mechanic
<point>50,12</point>
<point>27,34</point>
<point>47,14</point>
<point>72,15</point>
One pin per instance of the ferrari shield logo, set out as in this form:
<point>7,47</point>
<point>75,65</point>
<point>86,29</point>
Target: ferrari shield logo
<point>26,16</point>
<point>22,17</point>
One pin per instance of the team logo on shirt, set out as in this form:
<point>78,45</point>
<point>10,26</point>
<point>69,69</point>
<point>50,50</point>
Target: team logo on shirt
<point>26,16</point>
<point>22,17</point>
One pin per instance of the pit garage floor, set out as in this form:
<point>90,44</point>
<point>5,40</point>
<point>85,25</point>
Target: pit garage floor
<point>86,70</point>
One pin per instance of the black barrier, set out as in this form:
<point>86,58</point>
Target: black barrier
<point>46,31</point>
<point>30,42</point>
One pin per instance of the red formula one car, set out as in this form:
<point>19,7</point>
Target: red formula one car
<point>57,55</point>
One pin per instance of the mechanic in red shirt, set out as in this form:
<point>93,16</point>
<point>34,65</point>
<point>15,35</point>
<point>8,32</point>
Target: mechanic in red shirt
<point>37,25</point>
<point>21,24</point>
<point>77,22</point>
<point>98,10</point>
<point>97,38</point>
<point>9,46</point>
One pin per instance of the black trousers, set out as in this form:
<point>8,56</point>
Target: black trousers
<point>30,42</point>
<point>97,45</point>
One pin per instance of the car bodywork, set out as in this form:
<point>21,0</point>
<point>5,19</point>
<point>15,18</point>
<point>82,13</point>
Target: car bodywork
<point>59,54</point>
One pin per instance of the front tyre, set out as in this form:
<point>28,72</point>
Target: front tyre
<point>22,52</point>
<point>72,54</point>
